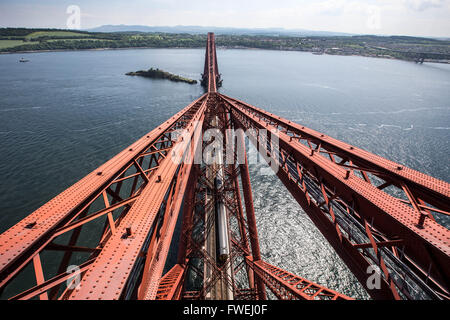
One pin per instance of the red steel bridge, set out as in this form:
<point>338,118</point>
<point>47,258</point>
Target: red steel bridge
<point>109,235</point>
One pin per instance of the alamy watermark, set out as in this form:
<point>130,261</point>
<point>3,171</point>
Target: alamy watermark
<point>74,281</point>
<point>374,17</point>
<point>74,20</point>
<point>374,279</point>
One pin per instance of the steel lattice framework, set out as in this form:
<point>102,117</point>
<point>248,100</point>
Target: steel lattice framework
<point>118,223</point>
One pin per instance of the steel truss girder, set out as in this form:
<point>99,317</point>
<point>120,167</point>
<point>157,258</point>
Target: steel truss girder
<point>171,284</point>
<point>69,210</point>
<point>333,182</point>
<point>216,281</point>
<point>364,202</point>
<point>117,268</point>
<point>211,77</point>
<point>287,286</point>
<point>192,246</point>
<point>421,186</point>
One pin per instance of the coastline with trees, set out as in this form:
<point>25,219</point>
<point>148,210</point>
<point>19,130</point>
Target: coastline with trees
<point>21,40</point>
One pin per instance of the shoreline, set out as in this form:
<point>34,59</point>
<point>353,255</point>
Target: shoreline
<point>219,47</point>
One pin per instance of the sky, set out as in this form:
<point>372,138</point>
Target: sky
<point>383,17</point>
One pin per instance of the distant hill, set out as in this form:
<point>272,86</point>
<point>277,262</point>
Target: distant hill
<point>217,30</point>
<point>392,47</point>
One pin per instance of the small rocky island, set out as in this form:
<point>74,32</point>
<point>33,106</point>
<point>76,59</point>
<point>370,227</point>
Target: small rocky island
<point>161,74</point>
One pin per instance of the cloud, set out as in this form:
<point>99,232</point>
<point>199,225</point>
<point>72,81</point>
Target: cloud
<point>408,17</point>
<point>422,5</point>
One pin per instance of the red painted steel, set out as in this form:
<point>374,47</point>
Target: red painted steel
<point>131,205</point>
<point>211,77</point>
<point>287,286</point>
<point>434,191</point>
<point>68,211</point>
<point>114,265</point>
<point>251,220</point>
<point>170,285</point>
<point>427,246</point>
<point>156,260</point>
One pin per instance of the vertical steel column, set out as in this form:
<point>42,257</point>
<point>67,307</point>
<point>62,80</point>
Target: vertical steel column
<point>251,221</point>
<point>188,208</point>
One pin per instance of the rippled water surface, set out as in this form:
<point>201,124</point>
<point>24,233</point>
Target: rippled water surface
<point>65,113</point>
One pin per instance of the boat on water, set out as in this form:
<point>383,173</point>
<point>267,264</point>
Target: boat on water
<point>23,60</point>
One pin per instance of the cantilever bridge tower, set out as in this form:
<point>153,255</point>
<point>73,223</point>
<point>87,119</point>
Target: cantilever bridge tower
<point>109,235</point>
